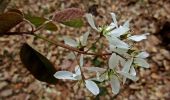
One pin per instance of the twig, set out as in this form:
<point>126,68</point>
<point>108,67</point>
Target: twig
<point>70,48</point>
<point>42,26</point>
<point>15,33</point>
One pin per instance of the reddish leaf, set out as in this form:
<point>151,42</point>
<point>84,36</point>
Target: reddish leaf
<point>16,11</point>
<point>38,65</point>
<point>9,20</point>
<point>68,15</point>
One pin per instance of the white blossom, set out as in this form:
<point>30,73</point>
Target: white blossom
<point>104,74</point>
<point>90,85</point>
<point>121,63</point>
<point>128,70</point>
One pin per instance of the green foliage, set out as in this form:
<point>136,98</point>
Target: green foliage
<point>38,65</point>
<point>74,23</point>
<point>9,20</point>
<point>38,21</point>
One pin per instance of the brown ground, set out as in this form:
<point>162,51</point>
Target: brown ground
<point>147,16</point>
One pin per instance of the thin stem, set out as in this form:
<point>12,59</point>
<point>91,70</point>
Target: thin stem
<point>69,47</point>
<point>41,26</point>
<point>82,75</point>
<point>15,33</point>
<point>32,26</point>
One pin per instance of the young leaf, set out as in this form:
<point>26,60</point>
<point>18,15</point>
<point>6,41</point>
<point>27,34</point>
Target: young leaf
<point>37,21</point>
<point>51,26</point>
<point>38,65</point>
<point>9,20</point>
<point>70,17</point>
<point>74,23</point>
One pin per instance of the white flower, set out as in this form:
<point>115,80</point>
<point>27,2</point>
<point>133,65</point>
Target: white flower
<point>112,32</point>
<point>82,40</point>
<point>118,31</point>
<point>105,74</point>
<point>128,70</point>
<point>90,85</point>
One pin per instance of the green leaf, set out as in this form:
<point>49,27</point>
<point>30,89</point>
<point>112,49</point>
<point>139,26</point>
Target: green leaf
<point>9,20</point>
<point>51,26</point>
<point>38,65</point>
<point>38,21</point>
<point>70,17</point>
<point>74,23</point>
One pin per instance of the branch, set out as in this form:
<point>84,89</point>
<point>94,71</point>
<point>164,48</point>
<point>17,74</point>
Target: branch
<point>58,44</point>
<point>15,33</point>
<point>70,48</point>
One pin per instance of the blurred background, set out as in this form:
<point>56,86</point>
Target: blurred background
<point>152,16</point>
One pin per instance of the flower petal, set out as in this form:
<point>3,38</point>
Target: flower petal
<point>138,38</point>
<point>115,84</point>
<point>64,75</point>
<point>117,50</point>
<point>92,87</point>
<point>84,38</point>
<point>126,24</point>
<point>127,75</point>
<point>141,62</point>
<point>111,26</point>
<point>81,60</point>
<point>77,70</point>
<point>95,69</point>
<point>114,19</point>
<point>143,55</point>
<point>127,65</point>
<point>113,61</point>
<point>118,43</point>
<point>132,71</point>
<point>71,56</point>
<point>90,20</point>
<point>70,42</point>
<point>118,31</point>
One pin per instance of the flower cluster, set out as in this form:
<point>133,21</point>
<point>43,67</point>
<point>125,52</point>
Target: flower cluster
<point>122,63</point>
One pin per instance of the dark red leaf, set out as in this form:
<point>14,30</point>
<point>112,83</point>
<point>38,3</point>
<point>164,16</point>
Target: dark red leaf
<point>67,15</point>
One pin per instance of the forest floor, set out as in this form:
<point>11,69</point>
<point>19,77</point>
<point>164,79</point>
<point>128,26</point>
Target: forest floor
<point>16,83</point>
